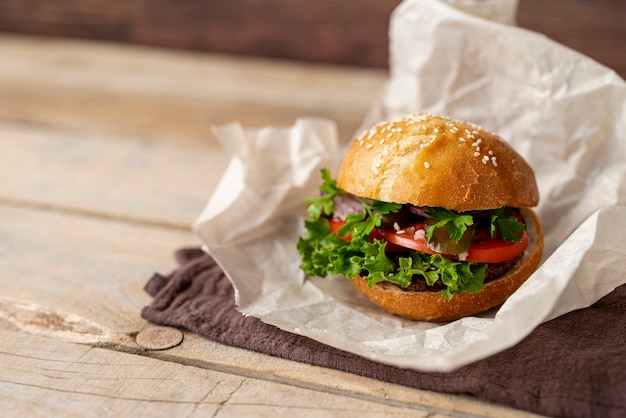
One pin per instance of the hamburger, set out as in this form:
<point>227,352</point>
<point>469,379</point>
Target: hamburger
<point>428,217</point>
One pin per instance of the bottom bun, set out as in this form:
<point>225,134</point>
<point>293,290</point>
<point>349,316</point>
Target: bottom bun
<point>432,306</point>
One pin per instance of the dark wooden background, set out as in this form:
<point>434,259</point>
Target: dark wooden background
<point>332,31</point>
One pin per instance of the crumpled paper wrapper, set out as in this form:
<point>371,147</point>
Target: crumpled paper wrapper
<point>565,113</point>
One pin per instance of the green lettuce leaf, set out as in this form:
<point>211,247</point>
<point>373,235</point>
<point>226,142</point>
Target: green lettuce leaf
<point>324,253</point>
<point>323,204</point>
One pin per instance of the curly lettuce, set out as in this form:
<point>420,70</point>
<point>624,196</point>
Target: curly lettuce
<point>325,253</point>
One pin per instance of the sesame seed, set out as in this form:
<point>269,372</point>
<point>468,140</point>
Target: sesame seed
<point>490,152</point>
<point>378,164</point>
<point>477,149</point>
<point>494,162</point>
<point>426,164</point>
<point>369,146</point>
<point>485,159</point>
<point>400,232</point>
<point>424,127</point>
<point>436,130</point>
<point>396,226</point>
<point>382,141</point>
<point>477,154</point>
<point>461,139</point>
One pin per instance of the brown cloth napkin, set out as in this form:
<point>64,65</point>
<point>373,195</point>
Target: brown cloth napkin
<point>572,366</point>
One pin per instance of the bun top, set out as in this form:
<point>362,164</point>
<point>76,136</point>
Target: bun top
<point>434,161</point>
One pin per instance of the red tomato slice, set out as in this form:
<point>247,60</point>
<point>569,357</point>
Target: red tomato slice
<point>391,247</point>
<point>410,237</point>
<point>484,251</point>
<point>334,227</point>
<point>496,250</point>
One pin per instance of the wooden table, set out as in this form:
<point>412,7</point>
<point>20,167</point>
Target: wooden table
<point>332,31</point>
<point>106,159</point>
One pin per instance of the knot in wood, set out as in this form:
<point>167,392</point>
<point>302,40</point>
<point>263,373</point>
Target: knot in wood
<point>159,338</point>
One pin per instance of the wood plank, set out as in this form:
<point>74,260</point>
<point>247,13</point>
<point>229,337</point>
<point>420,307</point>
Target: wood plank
<point>42,376</point>
<point>596,29</point>
<point>111,176</point>
<point>126,131</point>
<point>204,353</point>
<point>80,277</point>
<point>324,30</point>
<point>156,94</point>
<point>48,377</point>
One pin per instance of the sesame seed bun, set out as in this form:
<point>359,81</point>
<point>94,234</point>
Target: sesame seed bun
<point>429,160</point>
<point>431,306</point>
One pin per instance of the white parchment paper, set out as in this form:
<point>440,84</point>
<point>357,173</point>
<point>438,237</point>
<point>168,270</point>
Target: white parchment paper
<point>565,113</point>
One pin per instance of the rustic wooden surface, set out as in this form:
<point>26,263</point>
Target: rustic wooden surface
<point>106,160</point>
<point>331,31</point>
<point>107,157</point>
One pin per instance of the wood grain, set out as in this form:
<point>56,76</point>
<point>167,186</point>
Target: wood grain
<point>108,176</point>
<point>595,28</point>
<point>171,96</point>
<point>126,132</point>
<point>80,277</point>
<point>47,377</point>
<point>331,31</point>
<point>326,30</point>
